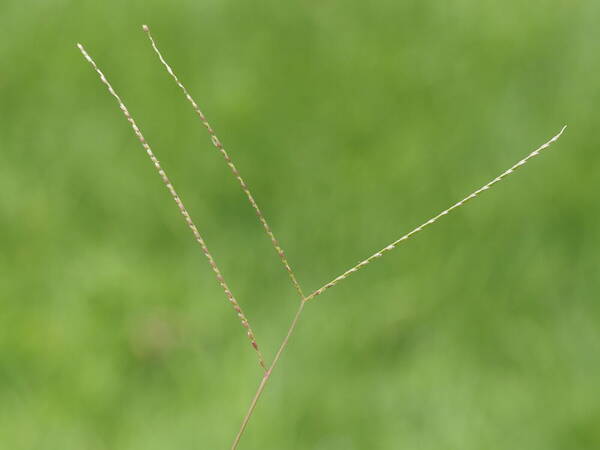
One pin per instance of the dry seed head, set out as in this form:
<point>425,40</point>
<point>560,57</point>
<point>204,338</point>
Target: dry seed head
<point>217,143</point>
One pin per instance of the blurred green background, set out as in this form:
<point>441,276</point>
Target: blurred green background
<point>352,122</point>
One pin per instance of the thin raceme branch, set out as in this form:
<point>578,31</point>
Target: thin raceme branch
<point>421,227</point>
<point>181,207</point>
<point>219,146</point>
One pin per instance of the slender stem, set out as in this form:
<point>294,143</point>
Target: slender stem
<point>267,375</point>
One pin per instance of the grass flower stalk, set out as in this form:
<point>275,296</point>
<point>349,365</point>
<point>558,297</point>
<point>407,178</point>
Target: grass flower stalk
<point>268,370</point>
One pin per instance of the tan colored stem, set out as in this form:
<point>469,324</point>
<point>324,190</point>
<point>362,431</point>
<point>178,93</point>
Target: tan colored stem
<point>267,375</point>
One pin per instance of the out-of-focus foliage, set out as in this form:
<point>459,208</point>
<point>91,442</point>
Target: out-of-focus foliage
<point>352,122</point>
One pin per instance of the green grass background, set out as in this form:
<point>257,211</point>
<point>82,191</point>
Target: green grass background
<point>352,122</point>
